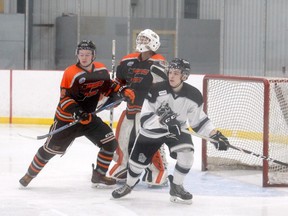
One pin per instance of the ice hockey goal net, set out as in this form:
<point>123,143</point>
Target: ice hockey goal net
<point>253,113</point>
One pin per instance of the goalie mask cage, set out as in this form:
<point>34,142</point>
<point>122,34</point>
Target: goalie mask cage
<point>253,113</point>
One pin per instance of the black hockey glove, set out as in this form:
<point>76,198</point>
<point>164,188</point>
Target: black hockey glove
<point>173,125</point>
<point>84,117</point>
<point>222,144</point>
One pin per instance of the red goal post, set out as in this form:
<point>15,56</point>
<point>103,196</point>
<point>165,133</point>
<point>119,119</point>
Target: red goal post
<point>253,113</point>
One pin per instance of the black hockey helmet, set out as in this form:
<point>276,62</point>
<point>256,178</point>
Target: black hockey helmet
<point>182,64</point>
<point>86,45</point>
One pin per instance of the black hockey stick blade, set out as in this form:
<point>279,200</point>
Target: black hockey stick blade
<point>263,157</point>
<point>108,106</point>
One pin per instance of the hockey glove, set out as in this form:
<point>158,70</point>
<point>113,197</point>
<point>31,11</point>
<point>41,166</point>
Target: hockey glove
<point>84,117</point>
<point>127,93</point>
<point>173,125</point>
<point>222,144</point>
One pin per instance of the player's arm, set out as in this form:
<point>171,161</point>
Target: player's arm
<point>158,71</point>
<point>150,120</point>
<point>120,74</point>
<point>118,90</point>
<point>68,109</point>
<point>201,124</point>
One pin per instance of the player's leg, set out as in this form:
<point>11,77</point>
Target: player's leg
<point>56,144</point>
<point>183,152</point>
<point>141,156</point>
<point>40,159</point>
<point>102,135</point>
<point>121,156</point>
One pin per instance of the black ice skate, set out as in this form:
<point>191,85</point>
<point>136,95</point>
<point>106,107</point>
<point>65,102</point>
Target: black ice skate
<point>25,180</point>
<point>123,190</point>
<point>100,180</point>
<point>178,193</point>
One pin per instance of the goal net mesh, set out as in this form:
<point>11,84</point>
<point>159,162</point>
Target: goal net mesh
<point>238,108</point>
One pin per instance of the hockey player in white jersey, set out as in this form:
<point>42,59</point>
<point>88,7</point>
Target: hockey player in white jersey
<point>167,109</point>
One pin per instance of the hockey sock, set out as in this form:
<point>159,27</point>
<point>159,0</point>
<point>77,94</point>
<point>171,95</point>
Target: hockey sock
<point>103,161</point>
<point>40,159</point>
<point>183,165</point>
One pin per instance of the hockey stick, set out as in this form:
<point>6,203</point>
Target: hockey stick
<point>237,148</point>
<point>111,105</point>
<point>113,75</point>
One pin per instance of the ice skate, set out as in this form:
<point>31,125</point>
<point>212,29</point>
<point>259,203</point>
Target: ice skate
<point>25,180</point>
<point>101,181</point>
<point>178,193</point>
<point>123,190</point>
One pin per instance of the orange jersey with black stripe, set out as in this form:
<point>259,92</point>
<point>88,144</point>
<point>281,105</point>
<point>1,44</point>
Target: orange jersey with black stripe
<point>136,74</point>
<point>81,89</point>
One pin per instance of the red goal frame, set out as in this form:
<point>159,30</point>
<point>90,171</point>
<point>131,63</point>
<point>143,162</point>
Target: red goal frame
<point>265,138</point>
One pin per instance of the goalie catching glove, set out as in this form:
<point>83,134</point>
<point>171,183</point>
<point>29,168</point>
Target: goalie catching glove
<point>173,125</point>
<point>222,143</point>
<point>84,117</point>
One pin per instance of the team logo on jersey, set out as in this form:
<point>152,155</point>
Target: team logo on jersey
<point>164,108</point>
<point>142,158</point>
<point>163,92</point>
<point>82,80</point>
<point>130,63</point>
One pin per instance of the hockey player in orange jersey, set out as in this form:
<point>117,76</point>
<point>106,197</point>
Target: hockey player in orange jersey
<point>81,87</point>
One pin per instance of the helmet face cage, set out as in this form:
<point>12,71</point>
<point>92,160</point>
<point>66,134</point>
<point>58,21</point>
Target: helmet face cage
<point>147,40</point>
<point>86,45</point>
<point>181,64</point>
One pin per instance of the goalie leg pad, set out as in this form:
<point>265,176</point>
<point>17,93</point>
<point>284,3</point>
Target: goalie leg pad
<point>156,174</point>
<point>121,156</point>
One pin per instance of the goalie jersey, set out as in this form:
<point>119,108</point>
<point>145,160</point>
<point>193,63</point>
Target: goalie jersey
<point>187,104</point>
<point>140,76</point>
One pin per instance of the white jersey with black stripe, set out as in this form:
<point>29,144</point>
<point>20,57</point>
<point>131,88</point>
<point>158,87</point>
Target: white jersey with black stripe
<point>187,104</point>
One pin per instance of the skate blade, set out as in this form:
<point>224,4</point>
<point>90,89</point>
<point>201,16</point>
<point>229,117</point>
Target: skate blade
<point>119,197</point>
<point>102,186</point>
<point>151,185</point>
<point>22,187</point>
<point>175,199</point>
<point>155,185</point>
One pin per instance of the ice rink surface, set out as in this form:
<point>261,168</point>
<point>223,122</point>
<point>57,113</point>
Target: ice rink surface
<point>63,187</point>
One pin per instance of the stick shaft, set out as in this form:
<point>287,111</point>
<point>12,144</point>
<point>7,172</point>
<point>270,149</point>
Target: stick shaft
<point>112,76</point>
<point>238,149</point>
<point>111,105</point>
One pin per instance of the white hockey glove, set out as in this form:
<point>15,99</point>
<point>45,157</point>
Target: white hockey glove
<point>222,144</point>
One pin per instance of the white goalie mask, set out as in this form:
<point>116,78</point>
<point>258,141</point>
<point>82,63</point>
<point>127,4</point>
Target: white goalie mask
<point>147,40</point>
